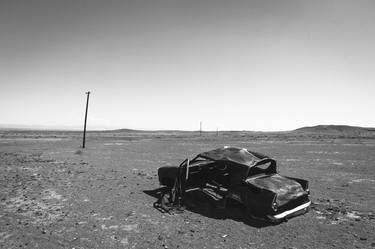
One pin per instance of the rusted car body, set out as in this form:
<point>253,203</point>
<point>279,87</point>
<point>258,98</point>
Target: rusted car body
<point>250,178</point>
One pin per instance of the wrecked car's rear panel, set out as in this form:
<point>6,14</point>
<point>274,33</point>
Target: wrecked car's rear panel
<point>285,189</point>
<point>289,197</point>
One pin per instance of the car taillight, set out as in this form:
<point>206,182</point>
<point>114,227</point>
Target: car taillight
<point>307,188</point>
<point>274,206</point>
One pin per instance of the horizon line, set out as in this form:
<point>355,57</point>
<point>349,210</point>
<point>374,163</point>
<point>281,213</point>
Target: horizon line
<point>98,129</point>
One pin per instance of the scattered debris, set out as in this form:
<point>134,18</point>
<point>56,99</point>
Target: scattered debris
<point>361,180</point>
<point>124,241</point>
<point>336,211</point>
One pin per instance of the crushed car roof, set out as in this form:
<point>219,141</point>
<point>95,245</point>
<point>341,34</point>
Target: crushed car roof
<point>236,155</point>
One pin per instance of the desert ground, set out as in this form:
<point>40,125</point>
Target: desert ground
<point>54,194</point>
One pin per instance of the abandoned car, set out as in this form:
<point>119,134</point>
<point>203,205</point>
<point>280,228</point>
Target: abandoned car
<point>237,174</point>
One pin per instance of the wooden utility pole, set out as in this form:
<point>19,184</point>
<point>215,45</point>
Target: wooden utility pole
<point>217,131</point>
<point>84,127</point>
<point>200,128</point>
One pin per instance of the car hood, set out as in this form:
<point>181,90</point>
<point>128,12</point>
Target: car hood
<point>285,189</point>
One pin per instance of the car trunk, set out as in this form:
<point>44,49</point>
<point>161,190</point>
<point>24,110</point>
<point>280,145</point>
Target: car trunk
<point>285,188</point>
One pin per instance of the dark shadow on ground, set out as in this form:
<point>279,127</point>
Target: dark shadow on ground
<point>198,202</point>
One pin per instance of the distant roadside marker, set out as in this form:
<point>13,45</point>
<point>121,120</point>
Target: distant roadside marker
<point>84,127</point>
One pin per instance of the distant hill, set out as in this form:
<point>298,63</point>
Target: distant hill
<point>122,130</point>
<point>331,130</point>
<point>337,130</point>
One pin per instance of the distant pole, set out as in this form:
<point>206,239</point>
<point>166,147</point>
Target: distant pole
<point>84,127</point>
<point>200,128</point>
<point>217,132</point>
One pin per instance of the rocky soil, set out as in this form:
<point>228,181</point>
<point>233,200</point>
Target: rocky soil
<point>54,194</point>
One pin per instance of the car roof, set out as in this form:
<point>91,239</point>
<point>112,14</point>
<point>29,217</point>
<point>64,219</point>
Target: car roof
<point>236,155</point>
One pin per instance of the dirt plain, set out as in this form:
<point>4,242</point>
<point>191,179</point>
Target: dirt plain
<point>54,194</point>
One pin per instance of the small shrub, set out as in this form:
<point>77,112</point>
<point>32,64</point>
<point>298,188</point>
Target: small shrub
<point>78,152</point>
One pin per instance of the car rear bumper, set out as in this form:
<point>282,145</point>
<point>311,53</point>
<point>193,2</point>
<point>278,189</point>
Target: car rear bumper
<point>291,212</point>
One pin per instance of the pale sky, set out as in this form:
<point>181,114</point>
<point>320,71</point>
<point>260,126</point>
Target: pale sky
<point>155,64</point>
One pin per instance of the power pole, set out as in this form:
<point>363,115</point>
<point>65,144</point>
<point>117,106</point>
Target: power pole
<point>84,127</point>
<point>200,128</point>
<point>217,131</point>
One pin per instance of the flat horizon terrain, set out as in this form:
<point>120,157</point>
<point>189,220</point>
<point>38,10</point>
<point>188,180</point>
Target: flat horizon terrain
<point>54,194</point>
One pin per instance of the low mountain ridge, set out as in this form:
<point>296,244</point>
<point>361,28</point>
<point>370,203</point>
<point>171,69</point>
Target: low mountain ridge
<point>336,129</point>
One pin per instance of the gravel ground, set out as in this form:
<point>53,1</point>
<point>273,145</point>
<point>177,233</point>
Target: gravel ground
<point>54,194</point>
